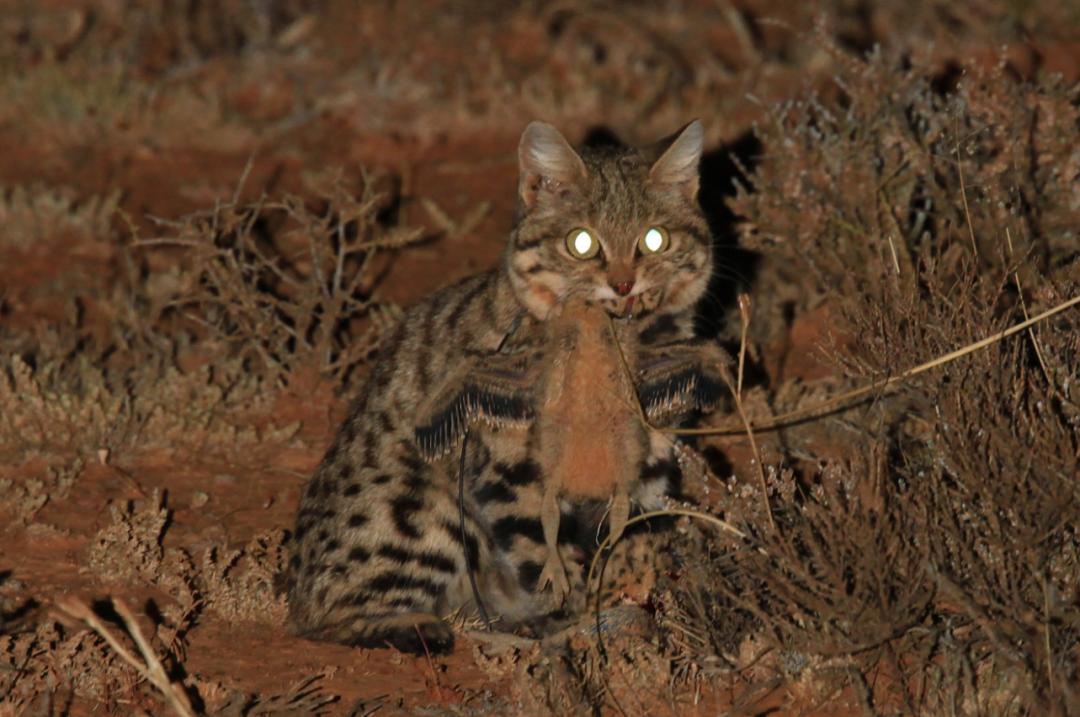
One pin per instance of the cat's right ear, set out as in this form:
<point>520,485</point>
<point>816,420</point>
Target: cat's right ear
<point>678,165</point>
<point>547,163</point>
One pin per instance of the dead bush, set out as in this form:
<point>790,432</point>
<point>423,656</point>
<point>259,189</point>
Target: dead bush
<point>38,216</point>
<point>68,391</point>
<point>235,584</point>
<point>129,551</point>
<point>59,670</point>
<point>288,287</point>
<point>239,584</point>
<point>934,567</point>
<point>855,191</point>
<point>263,294</point>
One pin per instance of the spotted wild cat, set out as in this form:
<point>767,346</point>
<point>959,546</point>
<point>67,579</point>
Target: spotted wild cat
<point>514,359</point>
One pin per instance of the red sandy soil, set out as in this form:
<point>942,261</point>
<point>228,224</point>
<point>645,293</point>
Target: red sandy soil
<point>255,490</point>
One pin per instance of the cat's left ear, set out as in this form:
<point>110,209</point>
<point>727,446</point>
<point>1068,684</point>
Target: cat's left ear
<point>678,165</point>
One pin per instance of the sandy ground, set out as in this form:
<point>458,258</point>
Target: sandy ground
<point>391,88</point>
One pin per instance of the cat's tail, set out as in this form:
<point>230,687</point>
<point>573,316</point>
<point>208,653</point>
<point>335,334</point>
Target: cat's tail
<point>415,633</point>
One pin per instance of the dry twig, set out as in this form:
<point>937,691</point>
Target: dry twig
<point>877,386</point>
<point>150,668</point>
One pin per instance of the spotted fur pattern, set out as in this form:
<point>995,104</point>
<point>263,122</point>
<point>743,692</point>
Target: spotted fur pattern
<point>378,553</point>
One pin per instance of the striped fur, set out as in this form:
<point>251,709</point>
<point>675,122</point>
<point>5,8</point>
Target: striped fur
<point>378,556</point>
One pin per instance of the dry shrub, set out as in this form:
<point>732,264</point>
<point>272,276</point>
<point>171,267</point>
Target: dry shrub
<point>51,670</point>
<point>288,287</point>
<point>176,70</point>
<point>25,498</point>
<point>87,74</point>
<point>129,551</point>
<point>39,216</point>
<point>932,568</point>
<point>239,584</point>
<point>68,391</point>
<point>927,28</point>
<point>855,192</point>
<point>46,670</point>
<point>986,472</point>
<point>304,697</point>
<point>944,554</point>
<point>87,102</point>
<point>152,36</point>
<point>195,352</point>
<point>234,584</point>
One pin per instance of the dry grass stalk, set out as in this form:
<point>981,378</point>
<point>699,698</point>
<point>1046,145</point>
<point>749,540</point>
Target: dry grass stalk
<point>150,667</point>
<point>736,392</point>
<point>876,387</point>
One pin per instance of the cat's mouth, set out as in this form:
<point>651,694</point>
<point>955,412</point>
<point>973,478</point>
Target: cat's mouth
<point>633,306</point>
<point>622,308</point>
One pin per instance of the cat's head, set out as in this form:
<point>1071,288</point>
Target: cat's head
<point>618,226</point>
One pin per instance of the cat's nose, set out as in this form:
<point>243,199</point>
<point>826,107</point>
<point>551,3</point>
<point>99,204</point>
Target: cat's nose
<point>623,288</point>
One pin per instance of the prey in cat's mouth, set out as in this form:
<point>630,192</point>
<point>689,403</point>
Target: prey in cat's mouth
<point>620,305</point>
<point>621,308</point>
<point>634,305</point>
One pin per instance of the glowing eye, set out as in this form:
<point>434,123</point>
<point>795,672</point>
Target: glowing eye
<point>581,244</point>
<point>654,241</point>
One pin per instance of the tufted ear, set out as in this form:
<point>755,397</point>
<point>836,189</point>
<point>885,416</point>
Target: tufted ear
<point>548,164</point>
<point>678,165</point>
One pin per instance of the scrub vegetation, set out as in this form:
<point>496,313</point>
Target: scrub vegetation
<point>212,213</point>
